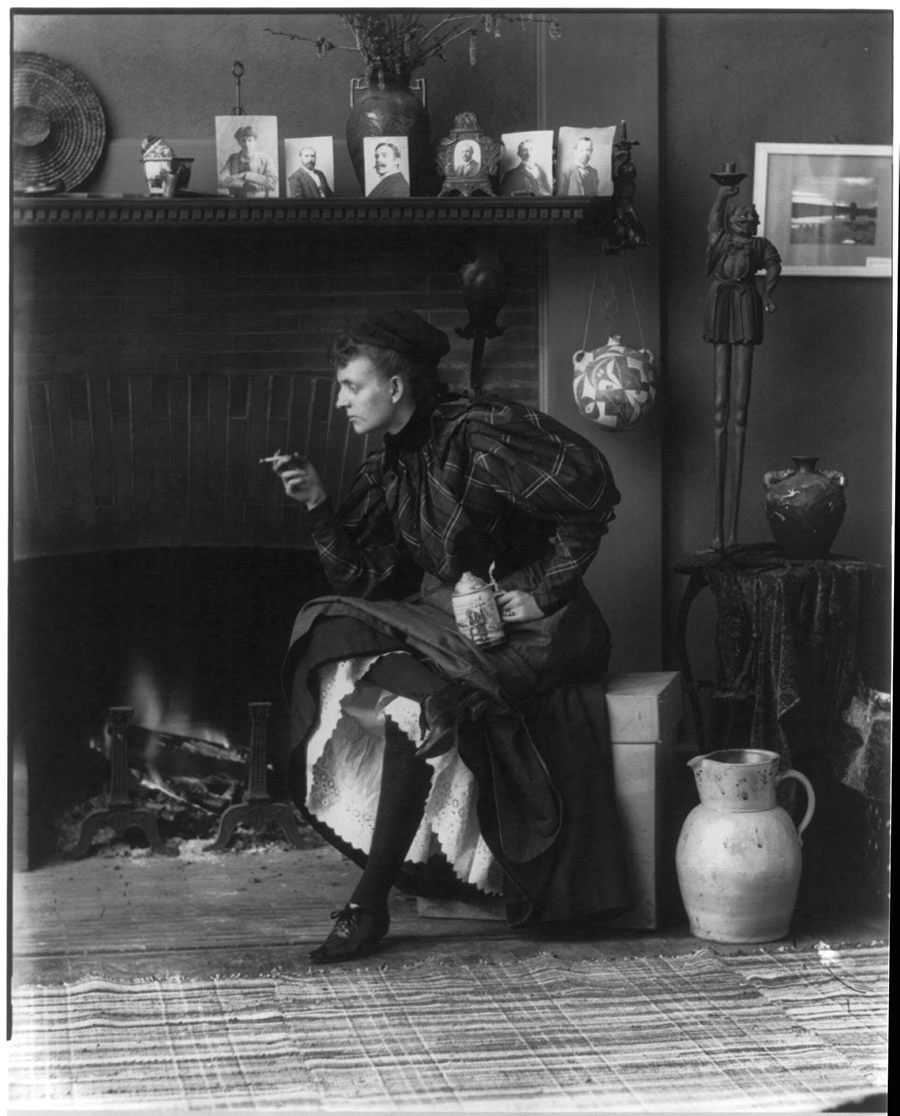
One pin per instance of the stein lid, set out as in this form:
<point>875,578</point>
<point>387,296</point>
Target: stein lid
<point>469,583</point>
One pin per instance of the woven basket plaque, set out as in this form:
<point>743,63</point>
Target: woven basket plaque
<point>58,125</point>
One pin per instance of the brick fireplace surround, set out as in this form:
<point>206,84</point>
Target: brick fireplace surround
<point>152,368</point>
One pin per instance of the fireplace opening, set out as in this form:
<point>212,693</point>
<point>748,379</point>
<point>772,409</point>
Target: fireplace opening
<point>188,637</point>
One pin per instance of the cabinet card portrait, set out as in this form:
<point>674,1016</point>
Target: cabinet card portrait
<point>387,166</point>
<point>585,162</point>
<point>247,156</point>
<point>309,167</point>
<point>526,165</point>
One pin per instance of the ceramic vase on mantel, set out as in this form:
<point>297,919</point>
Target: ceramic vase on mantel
<point>391,107</point>
<point>805,507</point>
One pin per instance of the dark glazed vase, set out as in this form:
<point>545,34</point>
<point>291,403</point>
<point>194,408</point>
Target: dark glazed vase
<point>805,507</point>
<point>391,109</point>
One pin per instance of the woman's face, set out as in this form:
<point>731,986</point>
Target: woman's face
<point>370,401</point>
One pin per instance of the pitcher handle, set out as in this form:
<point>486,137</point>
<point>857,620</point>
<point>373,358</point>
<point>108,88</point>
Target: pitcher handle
<point>810,798</point>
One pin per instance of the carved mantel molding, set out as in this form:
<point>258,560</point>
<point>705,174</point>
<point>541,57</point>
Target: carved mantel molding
<point>85,210</point>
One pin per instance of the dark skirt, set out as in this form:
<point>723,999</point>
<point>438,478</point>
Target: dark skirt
<point>540,749</point>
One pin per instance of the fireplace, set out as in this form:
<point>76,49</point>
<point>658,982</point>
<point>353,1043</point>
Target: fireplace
<point>152,368</point>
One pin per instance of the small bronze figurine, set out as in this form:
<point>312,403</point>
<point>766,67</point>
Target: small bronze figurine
<point>733,322</point>
<point>624,188</point>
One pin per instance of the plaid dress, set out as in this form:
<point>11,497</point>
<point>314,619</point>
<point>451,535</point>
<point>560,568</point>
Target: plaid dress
<point>463,487</point>
<point>468,485</point>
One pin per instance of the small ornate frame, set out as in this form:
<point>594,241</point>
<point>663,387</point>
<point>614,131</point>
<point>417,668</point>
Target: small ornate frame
<point>467,159</point>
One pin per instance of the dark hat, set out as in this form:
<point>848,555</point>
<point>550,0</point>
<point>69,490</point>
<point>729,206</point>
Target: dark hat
<point>405,333</point>
<point>247,130</point>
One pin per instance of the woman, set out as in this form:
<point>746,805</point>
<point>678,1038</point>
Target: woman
<point>435,764</point>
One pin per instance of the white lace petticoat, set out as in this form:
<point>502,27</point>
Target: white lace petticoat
<point>343,769</point>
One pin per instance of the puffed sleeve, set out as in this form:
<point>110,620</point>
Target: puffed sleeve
<point>541,467</point>
<point>357,544</point>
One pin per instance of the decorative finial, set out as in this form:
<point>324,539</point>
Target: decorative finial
<point>237,71</point>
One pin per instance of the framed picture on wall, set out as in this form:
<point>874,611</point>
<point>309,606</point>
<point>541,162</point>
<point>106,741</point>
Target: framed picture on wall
<point>309,167</point>
<point>247,156</point>
<point>826,207</point>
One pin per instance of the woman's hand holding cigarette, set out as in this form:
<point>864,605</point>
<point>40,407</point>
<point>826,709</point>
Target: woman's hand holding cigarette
<point>300,479</point>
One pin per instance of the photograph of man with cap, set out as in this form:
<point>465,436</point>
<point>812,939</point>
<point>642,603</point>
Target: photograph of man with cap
<point>434,763</point>
<point>248,172</point>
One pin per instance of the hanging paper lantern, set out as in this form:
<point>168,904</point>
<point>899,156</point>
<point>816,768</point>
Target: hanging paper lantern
<point>615,387</point>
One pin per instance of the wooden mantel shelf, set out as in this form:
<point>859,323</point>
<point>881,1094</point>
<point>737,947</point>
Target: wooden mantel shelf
<point>73,210</point>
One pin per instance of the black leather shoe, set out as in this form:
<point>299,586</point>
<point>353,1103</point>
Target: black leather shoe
<point>442,714</point>
<point>356,933</point>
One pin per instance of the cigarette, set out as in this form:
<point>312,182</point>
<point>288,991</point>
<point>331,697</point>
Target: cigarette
<point>301,461</point>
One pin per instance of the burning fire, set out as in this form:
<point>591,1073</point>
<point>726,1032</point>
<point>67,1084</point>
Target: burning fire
<point>167,713</point>
<point>185,758</point>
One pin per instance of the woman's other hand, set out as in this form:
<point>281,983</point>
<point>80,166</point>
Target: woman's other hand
<point>516,606</point>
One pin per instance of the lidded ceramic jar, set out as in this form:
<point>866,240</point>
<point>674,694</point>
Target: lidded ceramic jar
<point>165,173</point>
<point>156,159</point>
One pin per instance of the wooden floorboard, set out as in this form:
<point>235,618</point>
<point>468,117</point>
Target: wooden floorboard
<point>130,914</point>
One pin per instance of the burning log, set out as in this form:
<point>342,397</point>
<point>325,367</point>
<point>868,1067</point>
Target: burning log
<point>169,755</point>
<point>198,774</point>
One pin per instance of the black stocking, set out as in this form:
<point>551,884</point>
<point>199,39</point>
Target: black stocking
<point>405,781</point>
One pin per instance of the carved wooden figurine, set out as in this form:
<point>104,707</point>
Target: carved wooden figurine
<point>733,322</point>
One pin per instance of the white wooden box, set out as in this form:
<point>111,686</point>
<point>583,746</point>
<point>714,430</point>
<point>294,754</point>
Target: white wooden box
<point>644,711</point>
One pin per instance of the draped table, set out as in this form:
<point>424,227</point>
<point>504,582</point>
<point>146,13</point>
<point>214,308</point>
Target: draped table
<point>792,642</point>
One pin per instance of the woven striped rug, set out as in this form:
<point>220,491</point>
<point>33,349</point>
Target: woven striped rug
<point>777,1030</point>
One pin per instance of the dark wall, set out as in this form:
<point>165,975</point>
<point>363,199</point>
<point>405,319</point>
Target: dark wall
<point>823,375</point>
<point>611,73</point>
